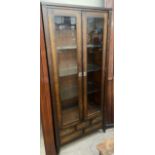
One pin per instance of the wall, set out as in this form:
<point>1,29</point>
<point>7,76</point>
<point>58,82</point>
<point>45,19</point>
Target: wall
<point>96,3</point>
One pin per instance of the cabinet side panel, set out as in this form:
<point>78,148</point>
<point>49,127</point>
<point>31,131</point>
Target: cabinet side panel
<point>45,102</point>
<point>110,70</point>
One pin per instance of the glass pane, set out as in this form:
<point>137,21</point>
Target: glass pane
<point>65,28</point>
<point>94,63</point>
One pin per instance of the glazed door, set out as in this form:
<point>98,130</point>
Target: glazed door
<point>94,55</point>
<point>65,39</point>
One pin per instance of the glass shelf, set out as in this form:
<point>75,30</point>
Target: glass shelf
<point>68,71</point>
<point>94,46</point>
<point>75,47</point>
<point>93,67</point>
<point>65,48</point>
<point>73,70</point>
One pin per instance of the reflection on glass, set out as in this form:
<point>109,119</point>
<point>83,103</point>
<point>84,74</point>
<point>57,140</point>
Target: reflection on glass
<point>94,63</point>
<point>65,32</point>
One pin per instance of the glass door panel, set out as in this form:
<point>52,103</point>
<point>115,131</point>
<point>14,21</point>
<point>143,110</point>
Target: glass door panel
<point>94,63</point>
<point>65,31</point>
<point>94,57</point>
<point>67,50</point>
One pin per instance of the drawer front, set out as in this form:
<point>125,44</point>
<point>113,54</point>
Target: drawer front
<point>93,128</point>
<point>83,125</point>
<point>67,131</point>
<point>97,119</point>
<point>70,137</point>
<point>77,130</point>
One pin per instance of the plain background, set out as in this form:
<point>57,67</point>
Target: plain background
<point>134,77</point>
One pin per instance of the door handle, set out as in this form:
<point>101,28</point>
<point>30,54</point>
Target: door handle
<point>84,73</point>
<point>80,74</point>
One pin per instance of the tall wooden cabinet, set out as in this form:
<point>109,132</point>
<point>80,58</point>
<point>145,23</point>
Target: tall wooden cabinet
<point>77,41</point>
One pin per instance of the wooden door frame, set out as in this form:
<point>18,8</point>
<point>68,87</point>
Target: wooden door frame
<point>52,54</point>
<point>86,14</point>
<point>45,98</point>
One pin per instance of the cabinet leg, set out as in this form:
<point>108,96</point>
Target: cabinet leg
<point>104,128</point>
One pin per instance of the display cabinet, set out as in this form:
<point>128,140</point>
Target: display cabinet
<point>77,46</point>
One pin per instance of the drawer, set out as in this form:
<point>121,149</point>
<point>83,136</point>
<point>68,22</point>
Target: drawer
<point>82,125</point>
<point>70,137</point>
<point>93,128</point>
<point>97,119</point>
<point>67,131</point>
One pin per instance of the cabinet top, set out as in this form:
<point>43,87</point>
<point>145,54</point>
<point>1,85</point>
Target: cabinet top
<point>81,7</point>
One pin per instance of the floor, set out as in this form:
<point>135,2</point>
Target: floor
<point>42,147</point>
<point>87,145</point>
<point>84,146</point>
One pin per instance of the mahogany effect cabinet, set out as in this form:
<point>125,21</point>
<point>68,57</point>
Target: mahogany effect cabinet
<point>77,45</point>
